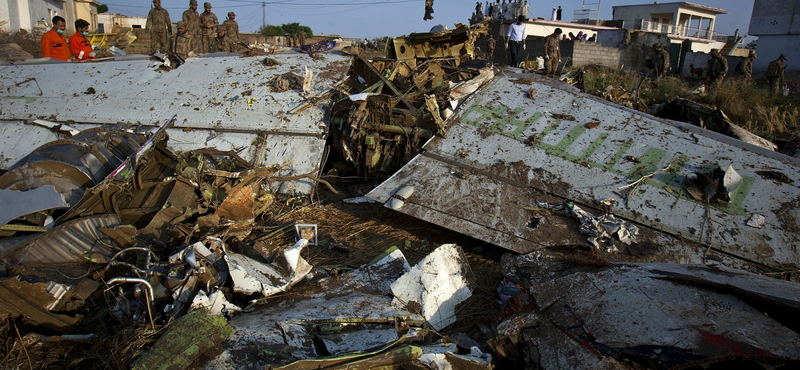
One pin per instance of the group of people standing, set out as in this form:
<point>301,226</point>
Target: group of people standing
<point>54,43</point>
<point>717,68</point>
<point>196,33</point>
<point>510,10</point>
<point>515,44</point>
<point>659,62</point>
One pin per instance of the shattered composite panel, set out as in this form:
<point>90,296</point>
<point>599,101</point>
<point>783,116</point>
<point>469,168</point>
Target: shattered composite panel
<point>223,102</point>
<point>523,139</point>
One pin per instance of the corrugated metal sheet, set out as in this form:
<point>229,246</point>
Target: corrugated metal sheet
<point>70,243</point>
<point>504,151</point>
<point>222,102</point>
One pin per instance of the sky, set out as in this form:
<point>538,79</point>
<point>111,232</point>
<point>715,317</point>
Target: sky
<point>376,18</point>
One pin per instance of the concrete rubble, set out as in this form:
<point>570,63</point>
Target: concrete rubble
<point>630,241</point>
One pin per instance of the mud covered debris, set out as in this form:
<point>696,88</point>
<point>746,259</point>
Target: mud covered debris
<point>648,315</point>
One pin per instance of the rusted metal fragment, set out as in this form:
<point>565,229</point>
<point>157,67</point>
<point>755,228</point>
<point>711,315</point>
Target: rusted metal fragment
<point>648,313</point>
<point>30,300</point>
<point>185,341</point>
<point>457,44</point>
<point>395,106</point>
<point>238,206</point>
<point>505,152</point>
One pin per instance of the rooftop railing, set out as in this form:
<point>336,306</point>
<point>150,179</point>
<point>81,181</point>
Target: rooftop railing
<point>670,29</point>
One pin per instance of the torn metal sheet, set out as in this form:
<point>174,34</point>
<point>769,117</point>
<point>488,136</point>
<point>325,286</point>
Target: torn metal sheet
<point>20,203</point>
<point>71,165</point>
<point>214,304</point>
<point>445,356</point>
<point>341,343</point>
<point>250,276</point>
<point>435,285</point>
<point>356,297</point>
<point>391,355</point>
<point>668,314</point>
<point>31,300</point>
<point>505,151</point>
<point>17,139</point>
<point>206,93</point>
<point>79,242</point>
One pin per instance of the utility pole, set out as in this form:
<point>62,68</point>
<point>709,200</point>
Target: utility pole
<point>263,14</point>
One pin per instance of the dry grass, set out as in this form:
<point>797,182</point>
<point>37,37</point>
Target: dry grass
<point>110,348</point>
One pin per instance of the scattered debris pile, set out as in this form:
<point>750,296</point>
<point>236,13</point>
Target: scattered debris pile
<point>572,312</point>
<point>383,313</point>
<point>390,107</point>
<point>145,243</point>
<point>710,118</point>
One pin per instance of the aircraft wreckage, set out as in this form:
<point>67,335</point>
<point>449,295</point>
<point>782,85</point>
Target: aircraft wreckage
<point>126,183</point>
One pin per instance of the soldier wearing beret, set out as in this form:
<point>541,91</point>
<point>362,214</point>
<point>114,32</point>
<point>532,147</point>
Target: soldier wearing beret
<point>208,29</point>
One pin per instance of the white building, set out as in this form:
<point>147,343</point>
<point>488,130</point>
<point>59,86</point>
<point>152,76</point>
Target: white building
<point>25,14</point>
<point>106,22</point>
<point>777,25</point>
<point>679,21</point>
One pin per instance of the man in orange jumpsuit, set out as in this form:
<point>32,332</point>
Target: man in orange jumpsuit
<point>54,44</point>
<point>79,45</point>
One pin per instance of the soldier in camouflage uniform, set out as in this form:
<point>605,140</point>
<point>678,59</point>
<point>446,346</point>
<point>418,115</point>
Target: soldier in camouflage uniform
<point>182,43</point>
<point>302,37</point>
<point>717,70</point>
<point>208,29</point>
<point>224,42</point>
<point>231,27</point>
<point>192,21</point>
<point>746,68</point>
<point>552,52</point>
<point>160,28</point>
<point>775,74</point>
<point>490,44</point>
<point>660,61</point>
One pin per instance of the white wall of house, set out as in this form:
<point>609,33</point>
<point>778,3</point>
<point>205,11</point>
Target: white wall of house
<point>108,19</point>
<point>777,25</point>
<point>538,28</point>
<point>668,16</point>
<point>24,14</point>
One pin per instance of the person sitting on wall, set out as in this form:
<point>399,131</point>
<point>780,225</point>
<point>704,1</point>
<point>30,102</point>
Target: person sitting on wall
<point>79,44</point>
<point>54,44</point>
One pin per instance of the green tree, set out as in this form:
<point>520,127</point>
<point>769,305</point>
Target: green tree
<point>102,8</point>
<point>284,29</point>
<point>293,28</point>
<point>271,30</point>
